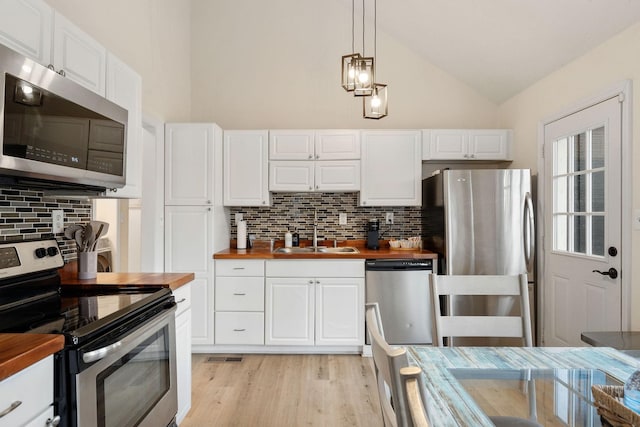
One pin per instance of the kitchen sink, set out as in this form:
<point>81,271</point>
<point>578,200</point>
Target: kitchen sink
<point>319,249</point>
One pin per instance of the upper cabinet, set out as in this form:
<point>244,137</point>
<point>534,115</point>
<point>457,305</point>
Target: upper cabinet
<point>124,87</point>
<point>246,172</point>
<point>391,168</point>
<point>340,144</point>
<point>466,144</point>
<point>26,26</point>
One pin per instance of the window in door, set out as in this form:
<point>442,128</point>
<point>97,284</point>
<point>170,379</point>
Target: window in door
<point>579,183</point>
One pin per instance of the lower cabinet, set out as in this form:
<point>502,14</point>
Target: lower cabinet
<point>32,387</point>
<point>182,296</point>
<point>324,309</point>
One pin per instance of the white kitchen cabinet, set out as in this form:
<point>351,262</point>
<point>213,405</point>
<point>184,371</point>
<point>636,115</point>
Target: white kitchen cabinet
<point>466,144</point>
<point>26,27</point>
<point>313,302</point>
<point>183,350</point>
<point>391,168</point>
<point>124,87</point>
<point>304,176</point>
<point>33,387</point>
<point>189,163</point>
<point>239,302</point>
<point>82,59</point>
<point>314,144</point>
<point>289,311</point>
<point>188,249</point>
<point>246,170</point>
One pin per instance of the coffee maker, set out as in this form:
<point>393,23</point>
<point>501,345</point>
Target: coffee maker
<point>373,234</point>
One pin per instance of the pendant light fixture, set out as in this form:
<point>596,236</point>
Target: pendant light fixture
<point>350,62</point>
<point>365,67</point>
<point>375,105</point>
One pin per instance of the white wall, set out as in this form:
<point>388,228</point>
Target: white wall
<point>277,64</point>
<point>151,36</point>
<point>600,69</point>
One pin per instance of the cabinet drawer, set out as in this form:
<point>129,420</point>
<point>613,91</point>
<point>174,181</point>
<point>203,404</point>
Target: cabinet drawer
<point>232,267</point>
<point>315,268</point>
<point>240,294</point>
<point>182,296</point>
<point>33,386</point>
<point>240,328</point>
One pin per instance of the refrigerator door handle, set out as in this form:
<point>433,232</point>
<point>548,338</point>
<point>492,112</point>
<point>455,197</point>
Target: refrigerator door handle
<point>528,231</point>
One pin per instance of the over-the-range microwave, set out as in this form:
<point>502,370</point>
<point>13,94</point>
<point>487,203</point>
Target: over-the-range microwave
<point>56,134</point>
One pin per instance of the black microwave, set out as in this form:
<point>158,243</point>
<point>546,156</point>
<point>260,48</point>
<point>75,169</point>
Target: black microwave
<point>55,133</point>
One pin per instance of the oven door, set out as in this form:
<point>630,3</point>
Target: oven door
<point>133,383</point>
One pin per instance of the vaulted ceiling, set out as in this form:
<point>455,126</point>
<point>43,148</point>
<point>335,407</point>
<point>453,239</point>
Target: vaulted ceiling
<point>500,47</point>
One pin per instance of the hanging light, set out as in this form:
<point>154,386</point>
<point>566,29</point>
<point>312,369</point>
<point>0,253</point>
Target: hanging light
<point>375,105</point>
<point>364,68</point>
<point>350,62</point>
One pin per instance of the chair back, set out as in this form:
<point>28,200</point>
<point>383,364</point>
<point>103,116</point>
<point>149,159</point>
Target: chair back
<point>414,395</point>
<point>387,363</point>
<point>480,326</point>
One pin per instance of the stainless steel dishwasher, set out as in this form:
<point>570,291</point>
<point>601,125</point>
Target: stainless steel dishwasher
<point>401,289</point>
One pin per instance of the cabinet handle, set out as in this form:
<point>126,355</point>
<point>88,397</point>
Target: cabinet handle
<point>310,188</point>
<point>311,282</point>
<point>473,156</point>
<point>62,73</point>
<point>264,203</point>
<point>239,330</point>
<point>311,156</point>
<point>317,282</point>
<point>182,300</point>
<point>53,422</point>
<point>51,67</point>
<point>466,156</point>
<point>317,156</point>
<point>10,409</point>
<point>317,187</point>
<point>239,294</point>
<point>238,268</point>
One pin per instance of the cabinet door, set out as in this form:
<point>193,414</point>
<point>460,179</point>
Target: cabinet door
<point>391,168</point>
<point>339,175</point>
<point>339,311</point>
<point>291,176</point>
<point>25,26</point>
<point>448,144</point>
<point>489,144</point>
<point>188,248</point>
<point>183,362</point>
<point>124,87</point>
<point>289,311</point>
<point>291,144</point>
<point>189,156</point>
<point>82,59</point>
<point>337,145</point>
<point>246,171</point>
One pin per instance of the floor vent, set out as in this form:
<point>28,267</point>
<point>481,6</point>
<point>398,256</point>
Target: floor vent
<point>214,359</point>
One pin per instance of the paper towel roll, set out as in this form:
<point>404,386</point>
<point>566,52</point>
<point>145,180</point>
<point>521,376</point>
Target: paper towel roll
<point>242,235</point>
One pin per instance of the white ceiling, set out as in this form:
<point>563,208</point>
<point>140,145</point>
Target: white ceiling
<point>500,47</point>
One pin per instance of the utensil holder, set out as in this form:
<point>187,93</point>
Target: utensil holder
<point>87,265</point>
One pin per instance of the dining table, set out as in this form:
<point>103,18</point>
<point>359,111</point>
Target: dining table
<point>468,386</point>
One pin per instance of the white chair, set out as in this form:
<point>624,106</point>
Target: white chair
<point>414,396</point>
<point>387,363</point>
<point>480,326</point>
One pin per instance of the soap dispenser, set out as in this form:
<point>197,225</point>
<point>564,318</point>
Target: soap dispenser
<point>288,239</point>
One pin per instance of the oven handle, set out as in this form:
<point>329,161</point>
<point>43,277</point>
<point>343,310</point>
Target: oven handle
<point>100,353</point>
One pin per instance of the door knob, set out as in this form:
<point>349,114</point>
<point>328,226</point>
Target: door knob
<point>612,272</point>
<point>612,251</point>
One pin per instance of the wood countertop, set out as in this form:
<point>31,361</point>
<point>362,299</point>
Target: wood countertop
<point>263,251</point>
<point>19,351</point>
<point>166,280</point>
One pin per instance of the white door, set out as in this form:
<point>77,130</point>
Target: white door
<point>582,224</point>
<point>339,311</point>
<point>289,311</point>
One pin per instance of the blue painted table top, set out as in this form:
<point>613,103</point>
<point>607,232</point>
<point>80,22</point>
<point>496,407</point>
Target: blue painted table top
<point>450,405</point>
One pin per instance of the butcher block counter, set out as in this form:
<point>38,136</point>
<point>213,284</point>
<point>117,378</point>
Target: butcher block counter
<point>124,280</point>
<point>262,251</point>
<point>19,351</point>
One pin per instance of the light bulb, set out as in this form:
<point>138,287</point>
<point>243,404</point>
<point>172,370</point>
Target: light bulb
<point>27,90</point>
<point>363,77</point>
<point>352,72</point>
<point>375,101</point>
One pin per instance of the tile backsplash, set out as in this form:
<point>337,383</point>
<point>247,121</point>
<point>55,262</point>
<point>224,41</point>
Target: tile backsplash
<point>290,211</point>
<point>26,215</point>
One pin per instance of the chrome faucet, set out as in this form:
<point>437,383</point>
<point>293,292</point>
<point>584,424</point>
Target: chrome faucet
<point>315,229</point>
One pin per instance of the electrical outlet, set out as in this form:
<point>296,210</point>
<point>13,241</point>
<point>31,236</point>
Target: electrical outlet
<point>57,218</point>
<point>239,217</point>
<point>388,218</point>
<point>342,218</point>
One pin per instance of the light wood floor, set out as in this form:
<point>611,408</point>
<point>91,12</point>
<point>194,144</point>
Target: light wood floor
<point>283,391</point>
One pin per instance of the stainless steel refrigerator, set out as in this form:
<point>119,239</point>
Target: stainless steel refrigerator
<point>481,221</point>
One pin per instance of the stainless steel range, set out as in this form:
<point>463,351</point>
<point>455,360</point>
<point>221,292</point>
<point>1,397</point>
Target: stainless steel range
<point>118,367</point>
